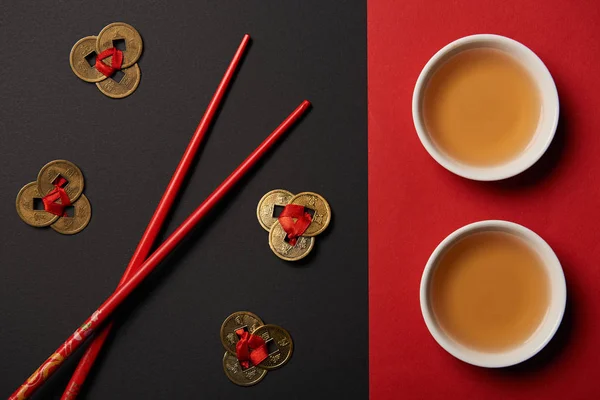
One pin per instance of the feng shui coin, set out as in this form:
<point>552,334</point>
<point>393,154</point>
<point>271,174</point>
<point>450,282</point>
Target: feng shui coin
<point>280,350</point>
<point>25,207</point>
<point>266,206</point>
<point>322,212</point>
<point>82,60</point>
<point>55,169</point>
<point>240,376</point>
<point>237,320</point>
<point>286,251</point>
<point>117,31</point>
<point>82,214</point>
<point>125,86</point>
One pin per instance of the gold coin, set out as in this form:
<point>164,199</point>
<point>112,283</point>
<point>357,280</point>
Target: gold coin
<point>121,31</point>
<point>238,375</point>
<point>37,218</point>
<point>286,251</point>
<point>237,320</point>
<point>266,206</point>
<point>280,350</point>
<point>322,215</point>
<point>80,53</point>
<point>123,88</point>
<point>51,171</point>
<point>82,214</point>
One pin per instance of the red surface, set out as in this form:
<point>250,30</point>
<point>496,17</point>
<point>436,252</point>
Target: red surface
<point>414,203</point>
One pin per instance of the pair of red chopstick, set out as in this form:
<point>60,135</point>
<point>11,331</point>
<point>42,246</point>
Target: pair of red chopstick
<point>141,265</point>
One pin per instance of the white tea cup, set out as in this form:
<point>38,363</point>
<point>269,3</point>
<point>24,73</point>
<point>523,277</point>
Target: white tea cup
<point>547,327</point>
<point>547,123</point>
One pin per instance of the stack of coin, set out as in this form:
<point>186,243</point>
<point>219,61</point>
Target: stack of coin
<point>278,340</point>
<point>116,37</point>
<point>272,203</point>
<point>56,174</point>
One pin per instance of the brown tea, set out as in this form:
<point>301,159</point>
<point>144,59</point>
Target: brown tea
<point>489,291</point>
<point>481,107</point>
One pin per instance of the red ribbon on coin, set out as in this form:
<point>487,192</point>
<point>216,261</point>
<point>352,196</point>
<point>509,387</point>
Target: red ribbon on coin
<point>115,63</point>
<point>50,200</point>
<point>294,220</point>
<point>250,349</point>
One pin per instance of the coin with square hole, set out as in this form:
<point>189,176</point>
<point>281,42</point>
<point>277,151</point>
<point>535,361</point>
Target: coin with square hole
<point>281,247</point>
<point>267,205</point>
<point>238,320</point>
<point>83,60</point>
<point>279,345</point>
<point>50,174</point>
<point>122,83</point>
<point>322,212</point>
<point>240,376</point>
<point>31,209</point>
<point>124,37</point>
<point>76,219</point>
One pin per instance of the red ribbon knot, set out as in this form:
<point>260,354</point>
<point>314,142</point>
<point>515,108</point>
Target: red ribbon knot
<point>115,63</point>
<point>250,349</point>
<point>50,200</point>
<point>294,220</point>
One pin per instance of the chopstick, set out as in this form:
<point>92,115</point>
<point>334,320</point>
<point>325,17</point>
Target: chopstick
<point>51,365</point>
<point>158,218</point>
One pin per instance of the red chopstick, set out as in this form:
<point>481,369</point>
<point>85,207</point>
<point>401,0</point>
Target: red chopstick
<point>157,220</point>
<point>51,365</point>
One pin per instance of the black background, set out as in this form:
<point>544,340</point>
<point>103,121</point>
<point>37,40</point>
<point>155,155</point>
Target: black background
<point>167,345</point>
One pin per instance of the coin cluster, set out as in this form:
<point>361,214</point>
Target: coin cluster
<point>277,340</point>
<point>110,59</point>
<point>45,202</point>
<point>273,203</point>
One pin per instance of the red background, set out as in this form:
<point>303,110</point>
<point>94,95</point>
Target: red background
<point>414,203</point>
